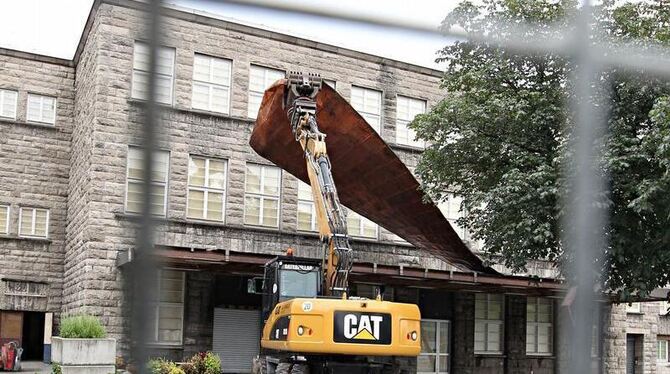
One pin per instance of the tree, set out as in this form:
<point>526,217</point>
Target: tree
<point>500,138</point>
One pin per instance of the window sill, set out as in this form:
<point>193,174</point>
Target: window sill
<point>27,123</point>
<point>490,355</point>
<point>407,147</point>
<point>25,238</point>
<point>165,346</point>
<point>540,355</point>
<point>635,313</point>
<point>199,112</point>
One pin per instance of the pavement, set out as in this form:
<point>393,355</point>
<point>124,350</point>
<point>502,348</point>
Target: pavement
<point>35,367</point>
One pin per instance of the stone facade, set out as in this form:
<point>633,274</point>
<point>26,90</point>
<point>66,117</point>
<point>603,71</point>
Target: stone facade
<point>34,172</point>
<point>646,326</point>
<point>77,169</point>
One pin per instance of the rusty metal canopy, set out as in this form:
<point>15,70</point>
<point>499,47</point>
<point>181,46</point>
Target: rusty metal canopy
<point>369,176</point>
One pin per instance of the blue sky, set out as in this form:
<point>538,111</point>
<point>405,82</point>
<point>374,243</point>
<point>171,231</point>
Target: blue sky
<point>53,27</point>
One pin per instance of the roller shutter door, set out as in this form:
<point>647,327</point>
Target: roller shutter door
<point>236,338</point>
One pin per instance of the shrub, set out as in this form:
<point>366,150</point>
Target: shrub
<point>203,363</point>
<point>163,366</point>
<point>56,369</point>
<point>82,327</point>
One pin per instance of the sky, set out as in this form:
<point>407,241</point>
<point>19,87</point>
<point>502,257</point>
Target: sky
<point>53,27</point>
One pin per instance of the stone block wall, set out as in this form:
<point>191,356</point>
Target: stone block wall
<point>648,325</point>
<point>34,171</point>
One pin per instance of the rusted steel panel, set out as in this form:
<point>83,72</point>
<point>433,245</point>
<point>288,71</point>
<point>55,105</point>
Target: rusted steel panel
<point>370,178</point>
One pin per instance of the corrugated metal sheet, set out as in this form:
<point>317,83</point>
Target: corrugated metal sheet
<point>236,338</point>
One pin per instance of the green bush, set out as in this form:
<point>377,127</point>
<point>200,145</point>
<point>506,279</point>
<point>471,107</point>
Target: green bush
<point>82,327</point>
<point>163,366</point>
<point>203,363</point>
<point>56,369</point>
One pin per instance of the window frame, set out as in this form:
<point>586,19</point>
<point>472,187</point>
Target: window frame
<point>206,189</point>
<point>41,114</point>
<point>313,227</point>
<point>158,304</point>
<point>211,84</point>
<point>488,321</point>
<point>361,221</point>
<point>537,326</point>
<point>33,222</point>
<point>363,112</point>
<point>662,340</point>
<point>664,305</point>
<point>405,122</point>
<point>146,72</point>
<point>3,92</point>
<point>8,215</point>
<point>251,92</point>
<point>262,196</point>
<point>437,354</point>
<point>141,181</point>
<point>634,308</point>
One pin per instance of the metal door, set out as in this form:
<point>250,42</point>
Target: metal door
<point>236,338</point>
<point>630,354</point>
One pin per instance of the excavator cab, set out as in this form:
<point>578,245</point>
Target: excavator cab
<point>288,277</point>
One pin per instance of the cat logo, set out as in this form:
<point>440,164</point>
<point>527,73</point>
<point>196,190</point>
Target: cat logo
<point>362,328</point>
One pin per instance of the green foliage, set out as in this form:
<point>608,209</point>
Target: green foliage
<point>500,138</point>
<point>163,366</point>
<point>203,363</point>
<point>82,327</point>
<point>56,369</point>
<point>200,363</point>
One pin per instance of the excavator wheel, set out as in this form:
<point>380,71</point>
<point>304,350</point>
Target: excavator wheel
<point>283,368</point>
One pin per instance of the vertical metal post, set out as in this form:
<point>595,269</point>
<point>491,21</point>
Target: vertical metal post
<point>584,223</point>
<point>145,274</point>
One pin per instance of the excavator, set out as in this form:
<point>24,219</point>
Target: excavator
<point>311,322</point>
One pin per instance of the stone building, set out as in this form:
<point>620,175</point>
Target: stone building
<point>69,198</point>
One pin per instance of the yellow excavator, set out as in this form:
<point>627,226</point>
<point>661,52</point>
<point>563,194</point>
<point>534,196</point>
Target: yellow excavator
<point>311,322</point>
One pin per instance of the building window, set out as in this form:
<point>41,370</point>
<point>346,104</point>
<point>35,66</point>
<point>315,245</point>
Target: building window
<point>407,109</point>
<point>359,226</point>
<point>664,307</point>
<point>368,103</point>
<point>261,199</point>
<point>539,326</point>
<point>211,83</point>
<point>451,209</point>
<point>331,83</point>
<point>488,323</point>
<point>434,356</point>
<point>206,188</point>
<point>370,291</point>
<point>169,307</point>
<point>164,73</point>
<point>159,181</point>
<point>306,209</point>
<point>34,222</point>
<point>4,219</point>
<point>260,78</point>
<point>662,351</point>
<point>8,101</point>
<point>634,308</point>
<point>41,109</point>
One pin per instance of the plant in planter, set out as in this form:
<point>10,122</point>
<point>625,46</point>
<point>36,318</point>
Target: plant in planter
<point>83,345</point>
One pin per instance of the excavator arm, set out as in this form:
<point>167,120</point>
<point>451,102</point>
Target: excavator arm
<point>330,216</point>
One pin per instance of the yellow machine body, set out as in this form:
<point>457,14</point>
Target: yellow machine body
<point>360,327</point>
